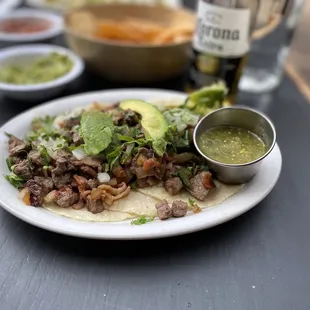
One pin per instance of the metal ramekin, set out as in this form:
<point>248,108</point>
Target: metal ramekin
<point>243,117</point>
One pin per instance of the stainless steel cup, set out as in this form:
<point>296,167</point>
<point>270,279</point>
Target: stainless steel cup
<point>246,118</point>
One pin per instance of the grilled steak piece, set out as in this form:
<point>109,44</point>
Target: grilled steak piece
<point>47,184</point>
<point>173,185</point>
<point>163,210</point>
<point>179,208</point>
<point>66,197</point>
<point>17,146</point>
<point>23,169</point>
<point>62,180</point>
<point>13,142</point>
<point>93,162</point>
<point>89,171</point>
<point>39,187</point>
<point>36,158</point>
<point>63,162</point>
<point>200,185</point>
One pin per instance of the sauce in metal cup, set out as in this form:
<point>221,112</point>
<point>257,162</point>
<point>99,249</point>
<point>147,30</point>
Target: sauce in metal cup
<point>241,117</point>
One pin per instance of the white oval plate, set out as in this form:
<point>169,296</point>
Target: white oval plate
<point>250,195</point>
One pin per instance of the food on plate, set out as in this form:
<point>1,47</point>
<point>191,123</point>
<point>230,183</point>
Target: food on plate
<point>41,70</point>
<point>67,4</point>
<point>132,30</point>
<point>114,162</point>
<point>24,25</point>
<point>231,145</point>
<point>141,31</point>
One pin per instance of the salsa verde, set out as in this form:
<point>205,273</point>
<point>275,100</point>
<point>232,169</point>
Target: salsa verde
<point>231,145</point>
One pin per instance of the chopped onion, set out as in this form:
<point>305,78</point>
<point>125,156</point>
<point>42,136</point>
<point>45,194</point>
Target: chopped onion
<point>79,153</point>
<point>51,196</point>
<point>103,177</point>
<point>25,196</point>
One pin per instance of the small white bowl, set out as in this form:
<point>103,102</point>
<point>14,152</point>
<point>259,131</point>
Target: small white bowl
<point>24,54</point>
<point>55,29</point>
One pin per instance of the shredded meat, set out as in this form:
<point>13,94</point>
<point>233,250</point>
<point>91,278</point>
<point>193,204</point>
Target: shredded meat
<point>163,210</point>
<point>173,185</point>
<point>23,169</point>
<point>66,197</point>
<point>179,208</point>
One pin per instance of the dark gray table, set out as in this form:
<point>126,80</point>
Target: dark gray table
<point>259,261</point>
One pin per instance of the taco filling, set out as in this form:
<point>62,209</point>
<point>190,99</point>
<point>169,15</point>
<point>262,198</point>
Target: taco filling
<point>114,162</point>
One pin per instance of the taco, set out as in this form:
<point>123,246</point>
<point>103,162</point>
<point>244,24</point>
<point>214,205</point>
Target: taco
<point>115,162</point>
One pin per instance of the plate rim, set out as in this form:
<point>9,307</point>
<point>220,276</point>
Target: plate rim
<point>134,232</point>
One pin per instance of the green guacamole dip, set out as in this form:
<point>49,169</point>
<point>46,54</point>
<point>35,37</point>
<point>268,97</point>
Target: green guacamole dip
<point>231,145</point>
<point>44,69</point>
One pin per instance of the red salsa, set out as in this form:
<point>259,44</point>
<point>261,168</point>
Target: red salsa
<point>24,25</point>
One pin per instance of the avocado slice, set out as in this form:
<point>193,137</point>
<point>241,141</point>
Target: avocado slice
<point>153,121</point>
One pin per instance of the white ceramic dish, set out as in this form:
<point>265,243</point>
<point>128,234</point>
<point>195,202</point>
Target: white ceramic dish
<point>55,29</point>
<point>23,54</point>
<point>250,195</point>
<point>8,5</point>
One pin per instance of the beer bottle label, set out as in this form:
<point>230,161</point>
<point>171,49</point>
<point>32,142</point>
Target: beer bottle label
<point>220,31</point>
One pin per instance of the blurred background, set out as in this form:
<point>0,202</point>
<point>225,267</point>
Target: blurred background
<point>298,65</point>
<point>116,57</point>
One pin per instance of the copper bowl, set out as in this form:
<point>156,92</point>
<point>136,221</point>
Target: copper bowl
<point>127,62</point>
